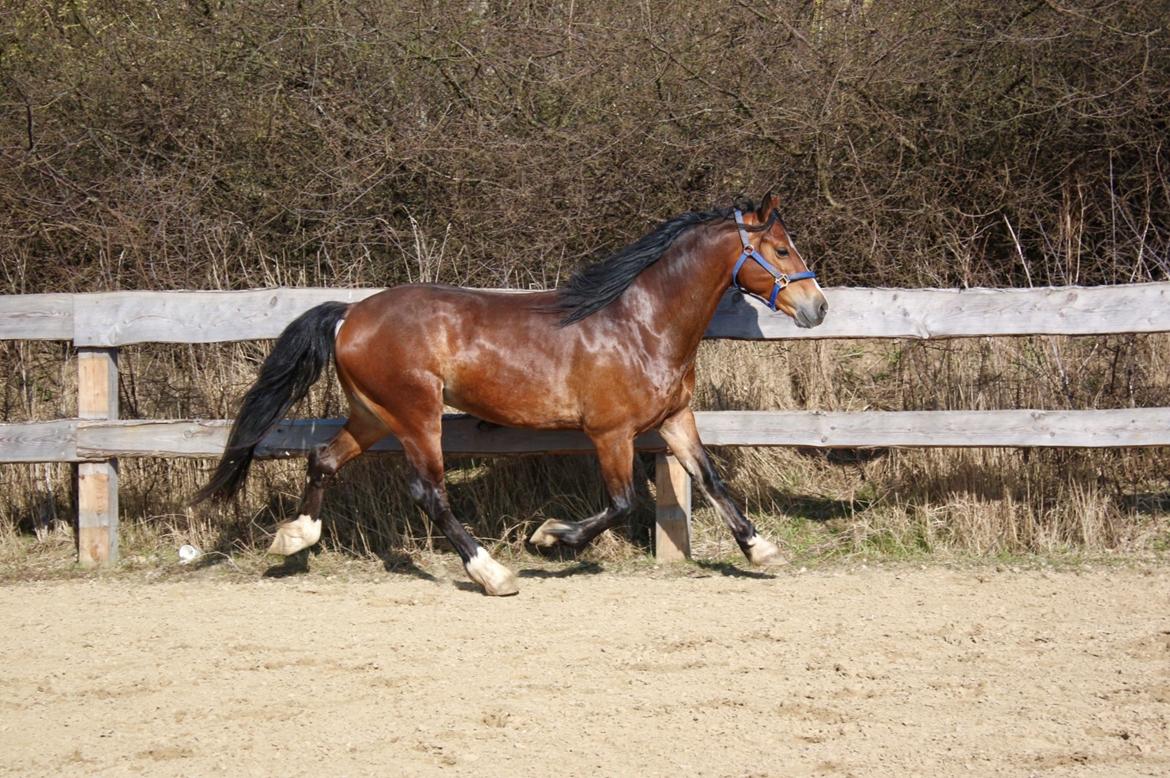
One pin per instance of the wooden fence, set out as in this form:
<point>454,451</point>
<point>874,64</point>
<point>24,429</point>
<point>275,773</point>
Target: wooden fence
<point>97,324</point>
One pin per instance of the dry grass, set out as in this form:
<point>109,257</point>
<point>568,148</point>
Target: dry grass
<point>950,501</point>
<point>823,504</point>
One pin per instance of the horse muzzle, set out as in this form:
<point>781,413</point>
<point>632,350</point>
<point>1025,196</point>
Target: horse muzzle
<point>811,311</point>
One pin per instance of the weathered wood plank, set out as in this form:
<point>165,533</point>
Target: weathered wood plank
<point>878,429</point>
<point>952,429</point>
<point>97,481</point>
<point>97,513</point>
<point>97,383</point>
<point>121,318</point>
<point>672,518</point>
<point>461,436</point>
<point>158,438</point>
<point>954,313</point>
<point>39,441</point>
<point>53,441</point>
<point>36,316</point>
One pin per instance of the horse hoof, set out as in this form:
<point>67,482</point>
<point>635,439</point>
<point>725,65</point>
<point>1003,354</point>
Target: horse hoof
<point>496,580</point>
<point>294,536</point>
<point>549,534</point>
<point>764,553</point>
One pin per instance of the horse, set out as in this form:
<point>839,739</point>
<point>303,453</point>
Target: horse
<point>611,353</point>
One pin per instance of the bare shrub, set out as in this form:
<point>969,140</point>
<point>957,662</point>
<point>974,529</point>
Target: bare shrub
<point>233,145</point>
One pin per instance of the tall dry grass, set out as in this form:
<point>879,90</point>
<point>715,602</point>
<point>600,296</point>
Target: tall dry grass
<point>981,501</point>
<point>965,501</point>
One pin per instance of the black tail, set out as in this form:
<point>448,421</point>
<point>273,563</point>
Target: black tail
<point>295,364</point>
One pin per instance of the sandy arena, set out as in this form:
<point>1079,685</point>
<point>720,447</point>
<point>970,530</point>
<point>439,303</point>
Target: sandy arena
<point>840,671</point>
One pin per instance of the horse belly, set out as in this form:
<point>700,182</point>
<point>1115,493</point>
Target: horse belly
<point>517,382</point>
<point>513,403</point>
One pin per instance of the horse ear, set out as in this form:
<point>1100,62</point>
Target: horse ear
<point>770,203</point>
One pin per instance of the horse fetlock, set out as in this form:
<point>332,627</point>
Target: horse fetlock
<point>762,552</point>
<point>294,536</point>
<point>496,580</point>
<point>550,533</point>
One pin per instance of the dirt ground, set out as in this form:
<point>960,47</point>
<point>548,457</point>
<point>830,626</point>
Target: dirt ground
<point>590,671</point>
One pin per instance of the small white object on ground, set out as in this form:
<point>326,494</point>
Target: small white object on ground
<point>188,553</point>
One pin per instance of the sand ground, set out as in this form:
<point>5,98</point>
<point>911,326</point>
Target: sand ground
<point>839,671</point>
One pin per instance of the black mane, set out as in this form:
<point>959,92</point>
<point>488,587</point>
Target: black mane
<point>595,286</point>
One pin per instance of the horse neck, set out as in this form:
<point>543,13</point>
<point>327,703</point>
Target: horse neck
<point>676,297</point>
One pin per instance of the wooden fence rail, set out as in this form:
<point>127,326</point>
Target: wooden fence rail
<point>121,318</point>
<point>98,324</point>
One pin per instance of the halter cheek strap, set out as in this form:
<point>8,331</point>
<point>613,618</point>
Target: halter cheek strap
<point>780,280</point>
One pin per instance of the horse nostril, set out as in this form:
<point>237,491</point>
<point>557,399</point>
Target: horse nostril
<point>823,309</point>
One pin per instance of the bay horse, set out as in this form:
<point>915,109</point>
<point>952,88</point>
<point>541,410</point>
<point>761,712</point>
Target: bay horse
<point>611,353</point>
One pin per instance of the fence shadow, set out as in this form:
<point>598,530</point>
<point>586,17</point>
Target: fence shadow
<point>1147,503</point>
<point>816,508</point>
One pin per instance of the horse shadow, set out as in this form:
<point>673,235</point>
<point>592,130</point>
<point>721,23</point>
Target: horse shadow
<point>736,315</point>
<point>400,563</point>
<point>581,568</point>
<point>294,564</point>
<point>732,571</point>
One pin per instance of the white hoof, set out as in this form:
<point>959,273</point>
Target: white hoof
<point>294,536</point>
<point>544,537</point>
<point>496,580</point>
<point>764,553</point>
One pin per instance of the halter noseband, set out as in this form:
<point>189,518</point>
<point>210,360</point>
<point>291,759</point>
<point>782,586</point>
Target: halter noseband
<point>781,280</point>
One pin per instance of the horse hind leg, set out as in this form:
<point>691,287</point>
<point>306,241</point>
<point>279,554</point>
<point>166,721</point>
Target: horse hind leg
<point>495,579</point>
<point>427,489</point>
<point>304,531</point>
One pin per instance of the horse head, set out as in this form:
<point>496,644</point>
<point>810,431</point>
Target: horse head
<point>769,266</point>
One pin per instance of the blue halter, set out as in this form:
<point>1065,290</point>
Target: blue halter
<point>781,279</point>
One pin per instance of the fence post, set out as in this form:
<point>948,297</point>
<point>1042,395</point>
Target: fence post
<point>672,530</point>
<point>97,482</point>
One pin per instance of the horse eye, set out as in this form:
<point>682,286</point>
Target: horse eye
<point>782,252</point>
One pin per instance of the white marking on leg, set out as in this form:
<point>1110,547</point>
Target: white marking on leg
<point>763,552</point>
<point>544,537</point>
<point>495,579</point>
<point>294,536</point>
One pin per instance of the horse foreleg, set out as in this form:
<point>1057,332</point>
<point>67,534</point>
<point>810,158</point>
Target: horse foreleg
<point>615,452</point>
<point>305,530</point>
<point>682,436</point>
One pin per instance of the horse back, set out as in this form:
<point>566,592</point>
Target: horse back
<point>501,356</point>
